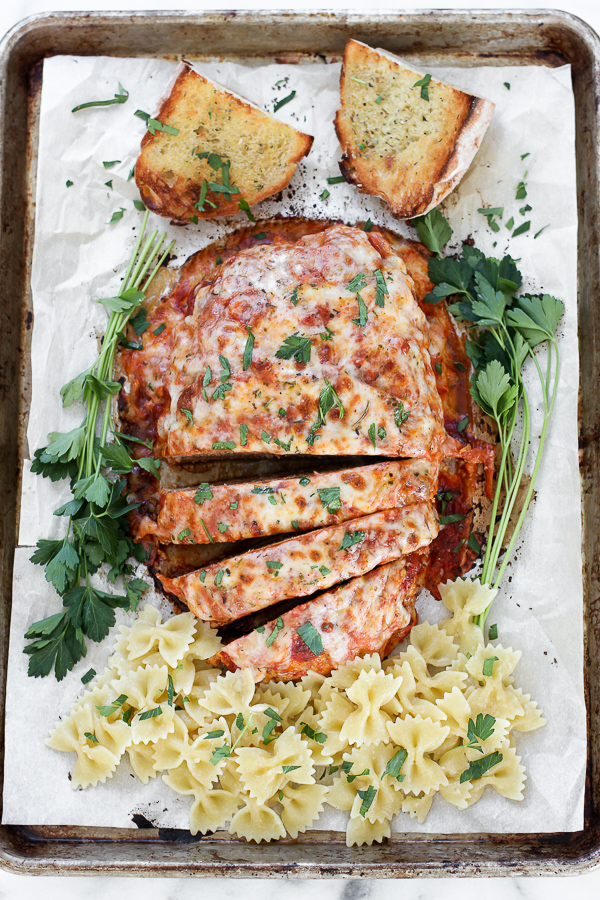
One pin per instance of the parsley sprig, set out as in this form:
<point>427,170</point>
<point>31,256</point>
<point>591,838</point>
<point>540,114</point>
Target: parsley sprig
<point>506,329</point>
<point>97,531</point>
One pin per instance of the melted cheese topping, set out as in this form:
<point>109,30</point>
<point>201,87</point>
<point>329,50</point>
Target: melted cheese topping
<point>370,614</point>
<point>303,565</point>
<point>232,512</point>
<point>372,352</point>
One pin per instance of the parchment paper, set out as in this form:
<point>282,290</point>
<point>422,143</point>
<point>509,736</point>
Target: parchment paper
<point>539,610</point>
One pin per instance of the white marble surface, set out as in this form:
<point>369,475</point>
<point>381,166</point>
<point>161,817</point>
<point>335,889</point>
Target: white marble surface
<point>49,888</point>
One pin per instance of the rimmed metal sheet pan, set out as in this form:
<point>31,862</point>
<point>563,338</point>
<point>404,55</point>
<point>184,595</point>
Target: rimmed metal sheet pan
<point>451,38</point>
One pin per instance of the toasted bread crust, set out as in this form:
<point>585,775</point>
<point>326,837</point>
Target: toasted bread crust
<point>171,189</point>
<point>410,186</point>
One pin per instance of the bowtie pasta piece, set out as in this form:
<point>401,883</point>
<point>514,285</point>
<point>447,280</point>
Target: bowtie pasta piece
<point>532,717</point>
<point>366,772</point>
<point>301,806</point>
<point>418,807</point>
<point>493,696</point>
<point>502,662</point>
<point>265,771</point>
<point>366,724</point>
<point>232,694</point>
<point>146,691</point>
<point>507,778</point>
<point>141,758</point>
<point>197,754</point>
<point>98,742</point>
<point>454,763</point>
<point>433,643</point>
<point>172,638</point>
<point>205,644</point>
<point>406,701</point>
<point>256,822</point>
<point>362,831</point>
<point>332,719</point>
<point>313,681</point>
<point>347,674</point>
<point>212,809</point>
<point>431,687</point>
<point>418,737</point>
<point>465,599</point>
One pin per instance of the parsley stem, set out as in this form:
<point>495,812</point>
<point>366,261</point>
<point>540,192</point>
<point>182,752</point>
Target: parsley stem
<point>125,282</point>
<point>149,259</point>
<point>538,459</point>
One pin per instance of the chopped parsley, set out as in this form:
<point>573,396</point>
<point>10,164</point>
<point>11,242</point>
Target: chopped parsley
<point>244,206</point>
<point>328,398</point>
<point>154,125</point>
<point>311,638</point>
<point>521,229</point>
<point>479,767</point>
<point>381,289</point>
<point>488,666</point>
<point>400,415</point>
<point>296,346</point>
<point>352,538</point>
<point>330,498</point>
<point>395,764</point>
<point>283,102</point>
<point>203,493</point>
<point>479,731</point>
<point>277,628</point>
<point>423,83</point>
<point>248,349</point>
<point>369,795</point>
<point>121,97</point>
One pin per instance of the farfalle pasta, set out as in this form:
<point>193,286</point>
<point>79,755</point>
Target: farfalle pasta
<point>376,739</point>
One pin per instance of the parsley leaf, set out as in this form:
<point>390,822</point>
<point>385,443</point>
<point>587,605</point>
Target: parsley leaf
<point>395,764</point>
<point>120,97</point>
<point>248,349</point>
<point>381,290</point>
<point>367,798</point>
<point>203,493</point>
<point>283,102</point>
<point>400,416</point>
<point>423,83</point>
<point>351,539</point>
<point>478,767</point>
<point>433,230</point>
<point>151,714</point>
<point>276,629</point>
<point>296,346</point>
<point>317,736</point>
<point>488,665</point>
<point>479,730</point>
<point>328,398</point>
<point>330,498</point>
<point>153,125</point>
<point>311,638</point>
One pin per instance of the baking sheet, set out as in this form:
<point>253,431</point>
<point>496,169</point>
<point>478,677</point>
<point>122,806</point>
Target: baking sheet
<point>540,609</point>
